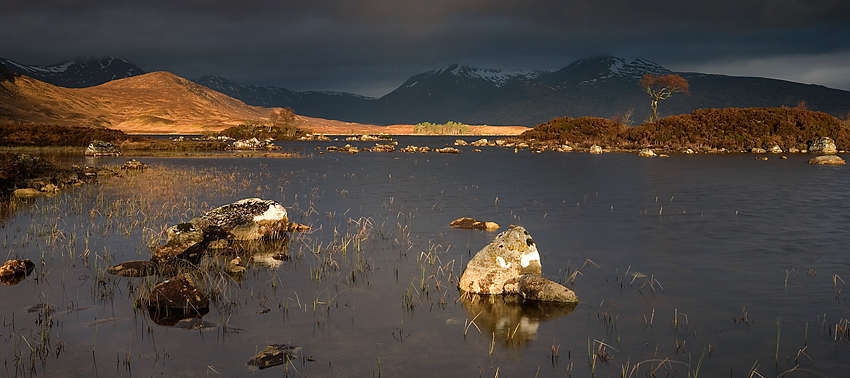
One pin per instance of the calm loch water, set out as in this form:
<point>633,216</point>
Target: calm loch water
<point>719,265</point>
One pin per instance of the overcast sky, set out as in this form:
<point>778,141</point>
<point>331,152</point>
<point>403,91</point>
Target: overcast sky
<point>370,47</point>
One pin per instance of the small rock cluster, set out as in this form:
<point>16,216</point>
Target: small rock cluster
<point>510,264</point>
<point>245,220</point>
<point>254,144</point>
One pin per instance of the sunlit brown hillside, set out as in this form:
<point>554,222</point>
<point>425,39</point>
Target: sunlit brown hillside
<point>154,103</point>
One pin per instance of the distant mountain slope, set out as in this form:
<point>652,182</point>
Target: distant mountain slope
<point>601,86</point>
<point>77,73</point>
<point>154,102</point>
<point>331,105</point>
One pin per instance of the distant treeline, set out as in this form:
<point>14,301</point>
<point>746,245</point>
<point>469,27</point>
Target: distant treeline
<point>449,128</point>
<point>733,129</point>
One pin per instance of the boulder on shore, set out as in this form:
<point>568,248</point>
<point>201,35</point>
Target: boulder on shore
<point>646,152</point>
<point>594,149</point>
<point>510,264</point>
<point>247,219</point>
<point>474,224</point>
<point>823,145</point>
<point>98,148</point>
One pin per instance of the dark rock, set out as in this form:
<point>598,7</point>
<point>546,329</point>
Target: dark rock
<point>185,241</point>
<point>14,271</point>
<point>274,355</point>
<point>178,293</point>
<point>470,223</point>
<point>137,268</point>
<point>537,288</point>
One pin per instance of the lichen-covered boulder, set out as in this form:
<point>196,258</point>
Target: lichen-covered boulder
<point>185,241</point>
<point>254,144</point>
<point>646,152</point>
<point>823,145</point>
<point>180,293</point>
<point>99,148</point>
<point>474,224</point>
<point>496,268</point>
<point>248,219</point>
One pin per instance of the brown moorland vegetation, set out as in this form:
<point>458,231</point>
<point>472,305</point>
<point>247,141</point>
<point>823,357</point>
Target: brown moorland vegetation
<point>732,129</point>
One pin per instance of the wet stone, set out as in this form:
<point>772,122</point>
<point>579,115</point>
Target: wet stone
<point>14,271</point>
<point>136,268</point>
<point>194,324</point>
<point>470,223</point>
<point>274,355</point>
<point>179,293</point>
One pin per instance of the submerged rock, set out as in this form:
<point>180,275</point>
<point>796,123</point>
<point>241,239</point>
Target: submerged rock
<point>136,268</point>
<point>194,324</point>
<point>14,271</point>
<point>274,355</point>
<point>248,219</point>
<point>827,160</point>
<point>470,223</point>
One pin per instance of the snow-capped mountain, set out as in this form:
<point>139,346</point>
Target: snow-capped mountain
<point>495,77</point>
<point>77,73</point>
<point>592,71</point>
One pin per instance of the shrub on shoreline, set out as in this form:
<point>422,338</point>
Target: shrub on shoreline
<point>731,128</point>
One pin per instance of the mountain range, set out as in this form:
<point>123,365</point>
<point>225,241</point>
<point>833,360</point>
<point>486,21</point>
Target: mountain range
<point>601,86</point>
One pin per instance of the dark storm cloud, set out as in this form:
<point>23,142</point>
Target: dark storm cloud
<point>370,47</point>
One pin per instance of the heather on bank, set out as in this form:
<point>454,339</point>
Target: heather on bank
<point>731,129</point>
<point>34,135</point>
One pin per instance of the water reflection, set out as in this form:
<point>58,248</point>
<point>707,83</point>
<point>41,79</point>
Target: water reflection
<point>510,317</point>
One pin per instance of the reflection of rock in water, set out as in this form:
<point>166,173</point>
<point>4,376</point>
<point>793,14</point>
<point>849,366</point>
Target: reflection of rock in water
<point>513,319</point>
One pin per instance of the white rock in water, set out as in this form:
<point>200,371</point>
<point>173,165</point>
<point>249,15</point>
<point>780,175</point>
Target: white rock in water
<point>496,268</point>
